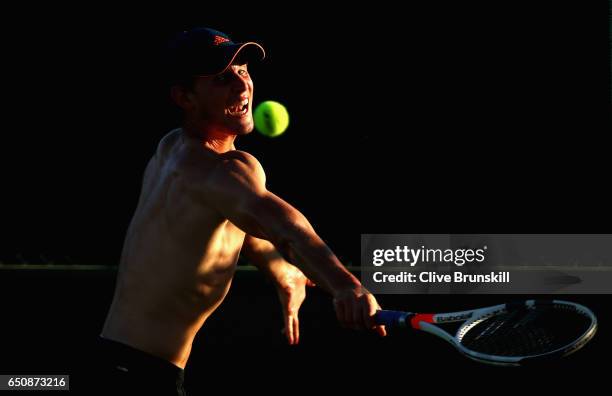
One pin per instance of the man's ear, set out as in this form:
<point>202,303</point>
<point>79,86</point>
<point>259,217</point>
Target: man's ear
<point>181,97</point>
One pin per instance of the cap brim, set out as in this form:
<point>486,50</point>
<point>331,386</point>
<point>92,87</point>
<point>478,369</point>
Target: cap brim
<point>242,52</point>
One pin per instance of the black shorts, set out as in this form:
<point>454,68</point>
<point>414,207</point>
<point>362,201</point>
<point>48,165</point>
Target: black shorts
<point>126,370</point>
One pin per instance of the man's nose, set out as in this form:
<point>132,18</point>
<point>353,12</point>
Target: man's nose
<point>239,83</point>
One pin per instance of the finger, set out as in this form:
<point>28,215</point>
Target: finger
<point>289,326</point>
<point>285,330</point>
<point>310,283</point>
<point>380,329</point>
<point>296,330</point>
<point>368,318</point>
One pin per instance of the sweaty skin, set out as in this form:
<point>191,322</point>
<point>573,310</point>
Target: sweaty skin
<point>201,203</point>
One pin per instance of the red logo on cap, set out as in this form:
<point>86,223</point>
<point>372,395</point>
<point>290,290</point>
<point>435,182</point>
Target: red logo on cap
<point>219,40</point>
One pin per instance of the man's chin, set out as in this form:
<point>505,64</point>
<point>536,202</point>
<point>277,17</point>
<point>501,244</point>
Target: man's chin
<point>238,127</point>
<point>244,129</point>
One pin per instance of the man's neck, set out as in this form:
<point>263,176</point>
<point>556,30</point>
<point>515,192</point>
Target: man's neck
<point>213,140</point>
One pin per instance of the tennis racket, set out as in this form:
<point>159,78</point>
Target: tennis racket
<point>511,334</point>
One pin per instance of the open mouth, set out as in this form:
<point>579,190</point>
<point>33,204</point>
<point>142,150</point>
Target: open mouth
<point>238,109</point>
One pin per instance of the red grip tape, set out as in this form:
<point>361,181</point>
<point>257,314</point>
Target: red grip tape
<point>414,322</point>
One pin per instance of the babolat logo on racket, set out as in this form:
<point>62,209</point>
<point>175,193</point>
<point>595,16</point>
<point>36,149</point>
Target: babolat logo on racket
<point>454,318</point>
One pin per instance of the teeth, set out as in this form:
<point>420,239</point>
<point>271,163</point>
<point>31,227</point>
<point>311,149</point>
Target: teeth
<point>237,110</point>
<point>240,108</point>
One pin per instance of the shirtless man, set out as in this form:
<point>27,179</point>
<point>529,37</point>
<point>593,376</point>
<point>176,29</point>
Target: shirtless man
<point>202,204</point>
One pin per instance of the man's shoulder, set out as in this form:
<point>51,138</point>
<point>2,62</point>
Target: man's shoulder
<point>201,166</point>
<point>167,142</point>
<point>238,157</point>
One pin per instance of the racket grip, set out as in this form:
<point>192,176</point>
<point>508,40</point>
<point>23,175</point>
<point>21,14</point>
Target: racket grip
<point>391,318</point>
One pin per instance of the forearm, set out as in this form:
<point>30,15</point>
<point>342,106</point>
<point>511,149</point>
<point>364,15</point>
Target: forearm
<point>302,248</point>
<point>307,251</point>
<point>263,255</point>
<point>296,240</point>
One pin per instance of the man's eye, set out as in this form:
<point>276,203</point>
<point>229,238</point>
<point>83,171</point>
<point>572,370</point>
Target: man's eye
<point>243,73</point>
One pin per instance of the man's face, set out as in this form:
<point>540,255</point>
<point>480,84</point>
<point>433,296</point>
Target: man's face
<point>223,103</point>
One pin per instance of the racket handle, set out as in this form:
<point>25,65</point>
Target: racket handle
<point>392,318</point>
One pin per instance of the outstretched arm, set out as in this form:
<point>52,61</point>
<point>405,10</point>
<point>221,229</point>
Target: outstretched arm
<point>236,188</point>
<point>290,282</point>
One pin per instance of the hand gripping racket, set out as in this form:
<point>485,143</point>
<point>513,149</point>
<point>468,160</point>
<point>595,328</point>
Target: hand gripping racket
<point>510,334</point>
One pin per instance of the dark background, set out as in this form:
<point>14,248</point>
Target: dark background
<point>466,118</point>
<point>435,118</point>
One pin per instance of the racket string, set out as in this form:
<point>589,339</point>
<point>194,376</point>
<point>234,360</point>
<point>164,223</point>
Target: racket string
<point>525,332</point>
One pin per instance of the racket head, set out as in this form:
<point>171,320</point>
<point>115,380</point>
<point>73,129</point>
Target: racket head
<point>525,332</point>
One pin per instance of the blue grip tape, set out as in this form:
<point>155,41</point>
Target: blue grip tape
<point>390,318</point>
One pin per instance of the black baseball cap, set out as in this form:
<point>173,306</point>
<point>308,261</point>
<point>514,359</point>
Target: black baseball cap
<point>207,52</point>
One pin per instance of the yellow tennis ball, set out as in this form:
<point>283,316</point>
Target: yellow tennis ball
<point>271,118</point>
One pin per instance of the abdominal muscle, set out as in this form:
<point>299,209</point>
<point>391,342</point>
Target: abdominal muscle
<point>176,268</point>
